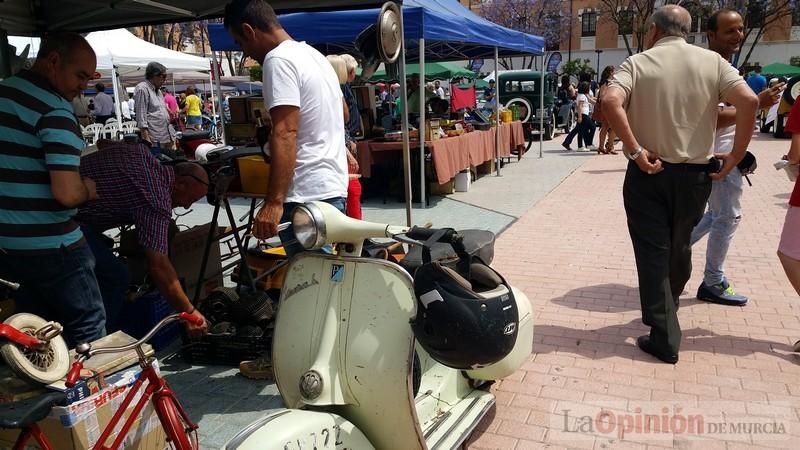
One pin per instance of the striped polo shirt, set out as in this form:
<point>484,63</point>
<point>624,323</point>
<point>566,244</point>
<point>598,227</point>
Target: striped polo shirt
<point>38,133</point>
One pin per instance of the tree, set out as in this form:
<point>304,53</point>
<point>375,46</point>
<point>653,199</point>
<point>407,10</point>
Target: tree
<point>539,17</point>
<point>795,61</point>
<point>630,17</point>
<point>576,67</point>
<point>759,15</point>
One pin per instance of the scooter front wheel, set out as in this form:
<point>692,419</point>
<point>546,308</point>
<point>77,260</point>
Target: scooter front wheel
<point>42,366</point>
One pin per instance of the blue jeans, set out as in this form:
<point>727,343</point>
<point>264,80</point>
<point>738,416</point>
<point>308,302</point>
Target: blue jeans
<point>720,222</point>
<point>583,130</point>
<point>112,275</point>
<point>288,239</point>
<point>59,286</point>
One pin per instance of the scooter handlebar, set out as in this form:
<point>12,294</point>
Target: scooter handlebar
<point>194,320</point>
<point>74,374</point>
<point>423,234</point>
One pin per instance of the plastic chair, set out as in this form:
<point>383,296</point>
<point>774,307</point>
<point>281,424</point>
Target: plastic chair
<point>92,133</point>
<point>110,130</point>
<point>129,127</point>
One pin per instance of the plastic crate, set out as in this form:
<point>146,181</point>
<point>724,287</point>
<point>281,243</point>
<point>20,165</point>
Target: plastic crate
<point>139,317</point>
<point>224,349</point>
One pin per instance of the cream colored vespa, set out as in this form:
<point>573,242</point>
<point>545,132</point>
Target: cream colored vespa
<point>345,358</point>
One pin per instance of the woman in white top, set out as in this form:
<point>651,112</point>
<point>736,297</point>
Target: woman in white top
<point>583,129</point>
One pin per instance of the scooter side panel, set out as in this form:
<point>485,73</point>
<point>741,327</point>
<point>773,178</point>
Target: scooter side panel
<point>365,361</point>
<point>379,355</point>
<point>294,429</point>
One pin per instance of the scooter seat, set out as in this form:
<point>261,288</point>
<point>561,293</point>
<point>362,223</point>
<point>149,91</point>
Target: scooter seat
<point>478,243</point>
<point>24,413</point>
<point>193,135</point>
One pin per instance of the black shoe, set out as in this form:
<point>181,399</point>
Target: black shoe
<point>644,343</point>
<point>566,146</point>
<point>722,294</point>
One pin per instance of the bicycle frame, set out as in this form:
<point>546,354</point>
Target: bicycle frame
<point>158,390</point>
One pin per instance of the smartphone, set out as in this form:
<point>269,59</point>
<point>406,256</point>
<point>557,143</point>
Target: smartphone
<point>714,165</point>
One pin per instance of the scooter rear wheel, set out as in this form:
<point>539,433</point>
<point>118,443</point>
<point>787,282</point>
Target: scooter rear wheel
<point>45,366</point>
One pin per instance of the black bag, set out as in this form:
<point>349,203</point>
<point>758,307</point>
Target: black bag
<point>747,166</point>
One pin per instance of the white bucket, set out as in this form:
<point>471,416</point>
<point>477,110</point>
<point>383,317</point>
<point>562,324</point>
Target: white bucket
<point>463,180</point>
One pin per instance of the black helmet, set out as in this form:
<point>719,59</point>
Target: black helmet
<point>464,323</point>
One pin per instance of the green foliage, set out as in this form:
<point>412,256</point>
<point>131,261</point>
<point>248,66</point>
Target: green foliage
<point>255,73</point>
<point>795,61</point>
<point>577,67</point>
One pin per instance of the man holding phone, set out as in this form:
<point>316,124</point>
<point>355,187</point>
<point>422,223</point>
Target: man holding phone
<point>721,219</point>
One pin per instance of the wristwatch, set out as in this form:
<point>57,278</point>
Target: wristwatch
<point>635,155</point>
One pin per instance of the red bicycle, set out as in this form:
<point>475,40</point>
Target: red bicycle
<point>180,430</point>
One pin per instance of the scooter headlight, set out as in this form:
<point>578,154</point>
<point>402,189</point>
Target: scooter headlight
<point>308,224</point>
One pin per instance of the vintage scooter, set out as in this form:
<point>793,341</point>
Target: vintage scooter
<point>346,361</point>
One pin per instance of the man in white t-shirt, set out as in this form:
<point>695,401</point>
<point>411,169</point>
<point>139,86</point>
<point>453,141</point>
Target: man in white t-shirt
<point>721,219</point>
<point>304,100</point>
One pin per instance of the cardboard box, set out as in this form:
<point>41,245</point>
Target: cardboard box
<point>238,109</point>
<point>78,426</point>
<point>442,189</point>
<point>186,254</point>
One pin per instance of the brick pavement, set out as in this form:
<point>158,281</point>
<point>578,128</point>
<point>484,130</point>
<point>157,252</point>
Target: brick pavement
<point>572,256</point>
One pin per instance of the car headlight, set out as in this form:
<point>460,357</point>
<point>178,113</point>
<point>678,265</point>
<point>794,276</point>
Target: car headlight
<point>309,226</point>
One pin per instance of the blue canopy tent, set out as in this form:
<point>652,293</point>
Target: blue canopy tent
<point>440,30</point>
<point>451,32</point>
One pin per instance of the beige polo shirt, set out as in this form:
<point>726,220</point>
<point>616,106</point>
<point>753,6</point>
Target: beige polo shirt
<point>672,95</point>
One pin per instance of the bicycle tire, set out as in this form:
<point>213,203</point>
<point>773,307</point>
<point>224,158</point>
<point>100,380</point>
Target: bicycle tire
<point>174,426</point>
<point>41,367</point>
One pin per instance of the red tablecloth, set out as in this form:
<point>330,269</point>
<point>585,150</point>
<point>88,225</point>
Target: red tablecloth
<point>449,155</point>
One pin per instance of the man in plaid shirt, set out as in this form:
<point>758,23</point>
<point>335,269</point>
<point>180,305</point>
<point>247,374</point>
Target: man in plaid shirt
<point>135,189</point>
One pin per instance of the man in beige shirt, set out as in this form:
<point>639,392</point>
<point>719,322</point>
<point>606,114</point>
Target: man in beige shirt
<point>663,105</point>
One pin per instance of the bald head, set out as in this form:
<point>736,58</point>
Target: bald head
<point>191,184</point>
<point>672,20</point>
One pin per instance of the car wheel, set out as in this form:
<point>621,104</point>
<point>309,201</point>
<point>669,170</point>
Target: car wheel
<point>525,108</point>
<point>570,123</point>
<point>550,129</point>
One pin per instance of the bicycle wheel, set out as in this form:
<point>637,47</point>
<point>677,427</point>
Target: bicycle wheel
<point>180,436</point>
<point>46,366</point>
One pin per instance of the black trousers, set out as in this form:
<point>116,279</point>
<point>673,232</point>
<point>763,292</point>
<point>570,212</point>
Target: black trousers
<point>662,210</point>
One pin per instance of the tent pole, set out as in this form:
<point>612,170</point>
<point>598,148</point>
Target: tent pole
<point>422,126</point>
<point>404,121</point>
<point>213,104</point>
<point>115,81</point>
<point>541,108</point>
<point>5,55</point>
<point>216,76</point>
<point>497,126</point>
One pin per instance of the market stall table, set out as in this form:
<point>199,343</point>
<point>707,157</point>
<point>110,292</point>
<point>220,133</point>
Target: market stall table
<point>449,155</point>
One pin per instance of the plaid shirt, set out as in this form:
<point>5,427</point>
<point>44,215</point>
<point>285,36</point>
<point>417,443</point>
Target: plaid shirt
<point>132,188</point>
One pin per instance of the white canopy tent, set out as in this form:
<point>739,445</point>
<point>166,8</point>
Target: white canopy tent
<point>121,54</point>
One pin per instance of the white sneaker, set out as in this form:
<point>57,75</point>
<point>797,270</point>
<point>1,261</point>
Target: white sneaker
<point>580,149</point>
<point>591,148</point>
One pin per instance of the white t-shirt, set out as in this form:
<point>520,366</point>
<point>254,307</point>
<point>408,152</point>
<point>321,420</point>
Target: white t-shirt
<point>440,92</point>
<point>296,74</point>
<point>584,101</point>
<point>125,109</point>
<point>723,138</point>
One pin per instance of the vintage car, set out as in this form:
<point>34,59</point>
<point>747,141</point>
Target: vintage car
<point>520,88</point>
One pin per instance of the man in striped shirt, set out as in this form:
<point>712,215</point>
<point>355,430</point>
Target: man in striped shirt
<point>40,188</point>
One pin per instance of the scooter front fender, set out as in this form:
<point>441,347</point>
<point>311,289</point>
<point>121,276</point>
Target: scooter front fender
<point>294,429</point>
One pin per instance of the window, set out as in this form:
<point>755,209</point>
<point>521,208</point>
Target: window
<point>625,22</point>
<point>796,17</point>
<point>588,24</point>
